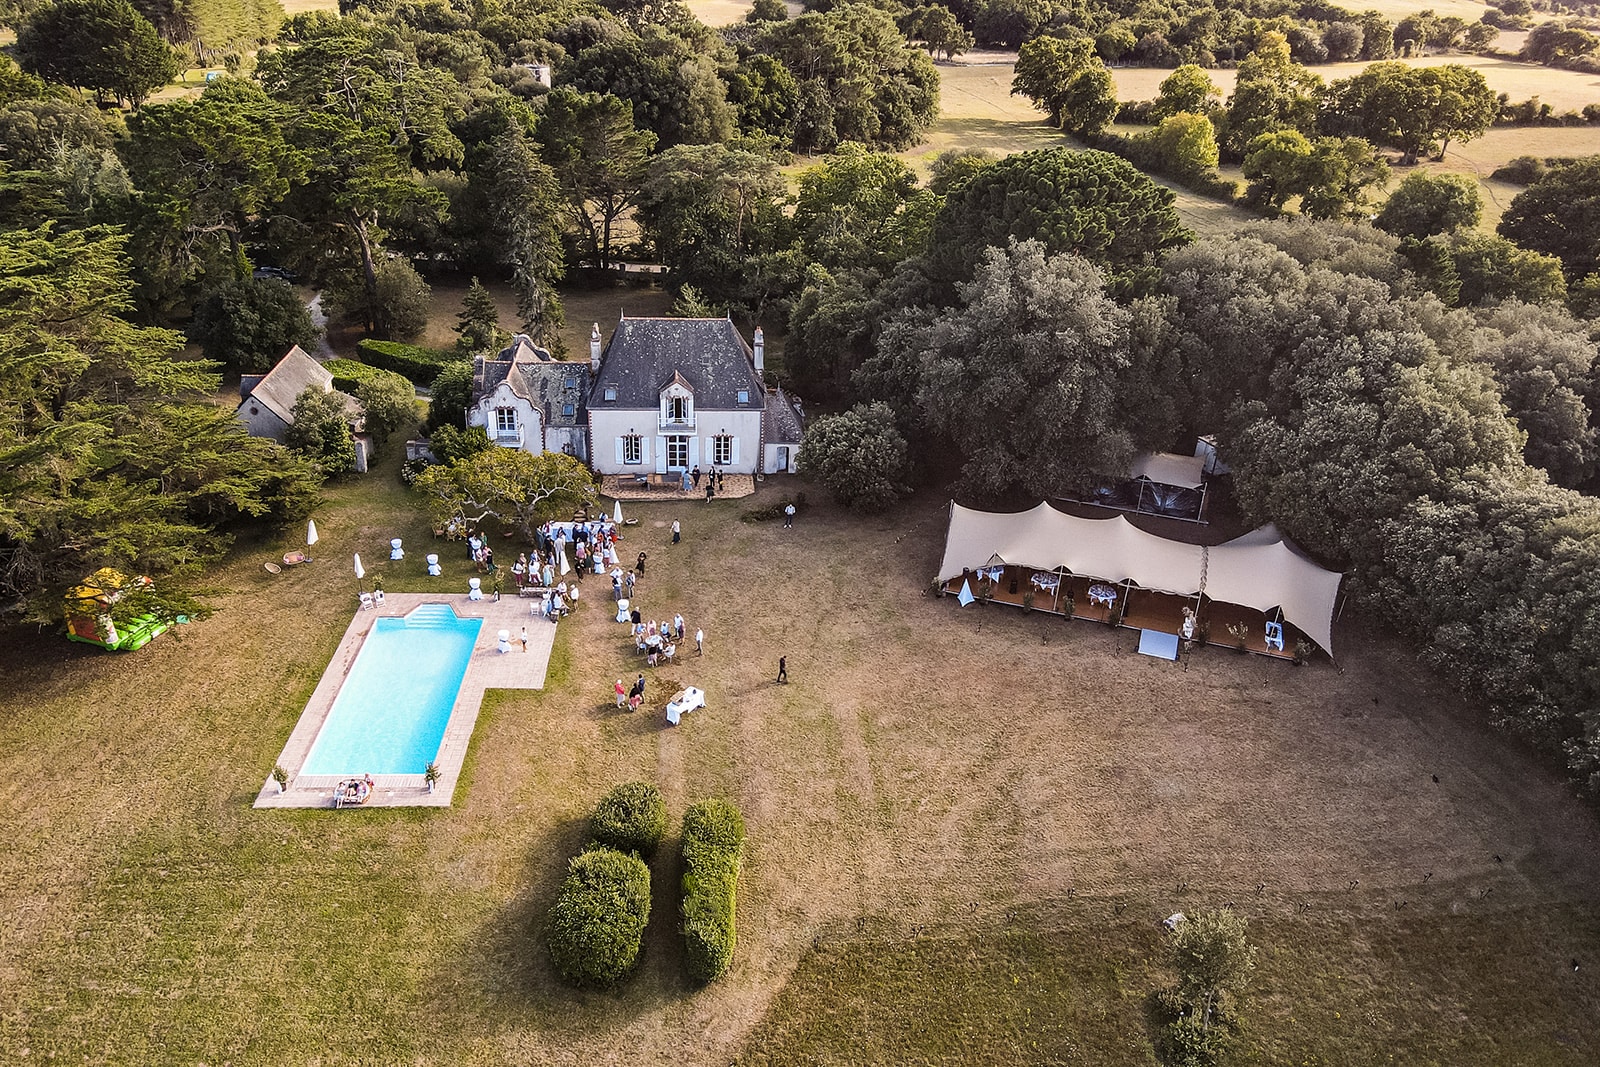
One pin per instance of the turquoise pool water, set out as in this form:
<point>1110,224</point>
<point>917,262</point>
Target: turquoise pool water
<point>391,711</point>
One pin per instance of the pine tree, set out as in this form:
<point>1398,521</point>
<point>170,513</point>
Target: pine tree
<point>478,323</point>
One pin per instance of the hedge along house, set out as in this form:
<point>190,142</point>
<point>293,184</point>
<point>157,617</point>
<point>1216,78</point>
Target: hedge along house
<point>669,395</point>
<point>527,400</point>
<point>266,404</point>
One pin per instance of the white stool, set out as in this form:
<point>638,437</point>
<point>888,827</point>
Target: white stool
<point>475,589</point>
<point>622,610</point>
<point>395,551</point>
<point>433,565</point>
<point>505,640</point>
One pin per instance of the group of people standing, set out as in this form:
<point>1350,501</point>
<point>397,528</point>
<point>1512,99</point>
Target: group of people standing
<point>713,479</point>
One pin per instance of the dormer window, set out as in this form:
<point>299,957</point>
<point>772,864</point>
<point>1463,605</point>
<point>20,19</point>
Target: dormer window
<point>744,396</point>
<point>611,393</point>
<point>567,410</point>
<point>678,408</point>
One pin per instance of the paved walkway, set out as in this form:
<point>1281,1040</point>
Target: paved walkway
<point>624,487</point>
<point>488,668</point>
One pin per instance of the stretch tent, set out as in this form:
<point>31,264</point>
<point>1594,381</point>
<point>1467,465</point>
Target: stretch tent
<point>1261,570</point>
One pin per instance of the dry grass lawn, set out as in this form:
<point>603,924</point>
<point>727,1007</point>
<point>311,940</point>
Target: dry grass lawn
<point>584,308</point>
<point>1565,90</point>
<point>963,827</point>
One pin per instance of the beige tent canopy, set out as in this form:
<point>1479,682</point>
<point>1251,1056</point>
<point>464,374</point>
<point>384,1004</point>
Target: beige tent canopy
<point>1186,472</point>
<point>1261,570</point>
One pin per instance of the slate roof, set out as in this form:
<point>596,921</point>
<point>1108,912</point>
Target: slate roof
<point>783,421</point>
<point>294,374</point>
<point>709,354</point>
<point>548,384</point>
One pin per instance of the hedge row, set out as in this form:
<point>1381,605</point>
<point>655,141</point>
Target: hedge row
<point>713,846</point>
<point>421,365</point>
<point>597,923</point>
<point>348,374</point>
<point>630,818</point>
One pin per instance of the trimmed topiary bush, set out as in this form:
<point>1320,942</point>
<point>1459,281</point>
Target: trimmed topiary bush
<point>349,374</point>
<point>598,920</point>
<point>630,818</point>
<point>713,846</point>
<point>421,365</point>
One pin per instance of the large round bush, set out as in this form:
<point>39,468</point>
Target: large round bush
<point>630,818</point>
<point>597,923</point>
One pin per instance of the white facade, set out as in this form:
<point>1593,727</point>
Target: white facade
<point>510,420</point>
<point>633,441</point>
<point>781,459</point>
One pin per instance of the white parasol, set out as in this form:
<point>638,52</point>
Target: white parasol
<point>311,532</point>
<point>616,513</point>
<point>361,572</point>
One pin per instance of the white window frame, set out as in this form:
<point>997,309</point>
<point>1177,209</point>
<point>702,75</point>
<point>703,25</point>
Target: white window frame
<point>611,394</point>
<point>677,409</point>
<point>677,452</point>
<point>722,449</point>
<point>744,396</point>
<point>632,449</point>
<point>505,420</point>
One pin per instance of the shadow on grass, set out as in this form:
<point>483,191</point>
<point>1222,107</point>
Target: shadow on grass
<point>508,957</point>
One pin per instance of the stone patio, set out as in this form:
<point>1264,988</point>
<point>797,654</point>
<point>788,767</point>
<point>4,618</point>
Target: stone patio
<point>487,669</point>
<point>624,487</point>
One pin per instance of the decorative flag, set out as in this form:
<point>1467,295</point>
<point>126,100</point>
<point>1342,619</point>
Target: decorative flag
<point>966,596</point>
<point>311,532</point>
<point>616,513</point>
<point>361,572</point>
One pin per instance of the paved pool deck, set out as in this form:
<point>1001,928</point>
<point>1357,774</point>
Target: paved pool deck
<point>489,668</point>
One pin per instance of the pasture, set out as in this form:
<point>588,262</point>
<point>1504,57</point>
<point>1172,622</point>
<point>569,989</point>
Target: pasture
<point>964,825</point>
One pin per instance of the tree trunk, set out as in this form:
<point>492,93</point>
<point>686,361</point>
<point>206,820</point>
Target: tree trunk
<point>369,269</point>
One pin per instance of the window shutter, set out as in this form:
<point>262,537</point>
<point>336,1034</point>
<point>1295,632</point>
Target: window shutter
<point>735,461</point>
<point>620,457</point>
<point>694,451</point>
<point>661,455</point>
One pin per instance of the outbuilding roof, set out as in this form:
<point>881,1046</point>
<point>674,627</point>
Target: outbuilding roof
<point>783,420</point>
<point>709,355</point>
<point>294,374</point>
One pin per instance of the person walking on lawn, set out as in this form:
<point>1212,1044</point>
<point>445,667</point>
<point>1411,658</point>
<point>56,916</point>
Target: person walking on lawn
<point>676,530</point>
<point>783,669</point>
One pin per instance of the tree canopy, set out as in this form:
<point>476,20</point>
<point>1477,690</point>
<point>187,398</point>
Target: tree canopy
<point>102,45</point>
<point>1093,204</point>
<point>1560,215</point>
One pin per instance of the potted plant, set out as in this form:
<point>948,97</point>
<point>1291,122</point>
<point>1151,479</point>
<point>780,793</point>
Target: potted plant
<point>280,776</point>
<point>1069,606</point>
<point>431,775</point>
<point>1302,652</point>
<point>1027,600</point>
<point>1238,631</point>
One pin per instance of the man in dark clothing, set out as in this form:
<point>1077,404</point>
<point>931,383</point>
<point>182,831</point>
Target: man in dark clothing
<point>783,669</point>
<point>694,475</point>
<point>638,688</point>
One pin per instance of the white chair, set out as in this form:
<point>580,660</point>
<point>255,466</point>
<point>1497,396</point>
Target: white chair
<point>1274,635</point>
<point>366,601</point>
<point>377,597</point>
<point>475,589</point>
<point>395,551</point>
<point>433,565</point>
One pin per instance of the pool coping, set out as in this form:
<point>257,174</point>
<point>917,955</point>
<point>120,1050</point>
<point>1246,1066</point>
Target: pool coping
<point>487,668</point>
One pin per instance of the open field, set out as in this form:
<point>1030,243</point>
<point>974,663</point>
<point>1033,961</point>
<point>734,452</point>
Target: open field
<point>977,110</point>
<point>1565,90</point>
<point>963,828</point>
<point>584,308</point>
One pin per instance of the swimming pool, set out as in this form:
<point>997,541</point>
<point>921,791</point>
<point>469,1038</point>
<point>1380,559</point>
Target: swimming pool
<point>392,709</point>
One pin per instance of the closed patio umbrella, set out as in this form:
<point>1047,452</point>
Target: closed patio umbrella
<point>616,513</point>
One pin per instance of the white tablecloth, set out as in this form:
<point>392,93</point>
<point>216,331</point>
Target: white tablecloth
<point>683,702</point>
<point>1102,594</point>
<point>1046,582</point>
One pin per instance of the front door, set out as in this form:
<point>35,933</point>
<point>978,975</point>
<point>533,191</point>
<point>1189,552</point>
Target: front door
<point>783,460</point>
<point>677,453</point>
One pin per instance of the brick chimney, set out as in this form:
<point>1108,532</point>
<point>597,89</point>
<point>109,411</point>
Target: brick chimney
<point>760,347</point>
<point>594,348</point>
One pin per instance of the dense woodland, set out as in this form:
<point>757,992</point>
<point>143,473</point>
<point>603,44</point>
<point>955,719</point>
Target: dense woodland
<point>1415,401</point>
